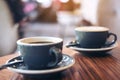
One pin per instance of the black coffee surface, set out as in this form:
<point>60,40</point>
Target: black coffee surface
<point>41,42</point>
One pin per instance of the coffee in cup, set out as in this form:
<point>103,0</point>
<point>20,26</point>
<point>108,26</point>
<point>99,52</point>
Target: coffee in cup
<point>93,37</point>
<point>40,52</point>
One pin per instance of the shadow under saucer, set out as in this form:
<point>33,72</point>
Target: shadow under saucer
<point>97,54</point>
<point>43,76</point>
<point>53,76</point>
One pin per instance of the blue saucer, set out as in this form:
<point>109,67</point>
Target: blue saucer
<point>66,63</point>
<point>103,49</point>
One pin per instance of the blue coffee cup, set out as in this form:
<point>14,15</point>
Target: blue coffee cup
<point>93,37</point>
<point>40,52</point>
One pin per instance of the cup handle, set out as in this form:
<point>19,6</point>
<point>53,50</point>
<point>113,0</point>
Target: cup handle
<point>72,43</point>
<point>113,41</point>
<point>58,56</point>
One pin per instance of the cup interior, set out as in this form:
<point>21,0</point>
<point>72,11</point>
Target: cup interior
<point>39,41</point>
<point>91,29</point>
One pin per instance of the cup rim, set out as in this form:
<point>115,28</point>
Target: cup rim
<point>25,41</point>
<point>91,29</point>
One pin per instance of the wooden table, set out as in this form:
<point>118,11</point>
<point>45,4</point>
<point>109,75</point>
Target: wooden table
<point>105,67</point>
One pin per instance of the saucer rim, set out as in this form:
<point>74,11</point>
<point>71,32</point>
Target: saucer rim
<point>94,49</point>
<point>42,71</point>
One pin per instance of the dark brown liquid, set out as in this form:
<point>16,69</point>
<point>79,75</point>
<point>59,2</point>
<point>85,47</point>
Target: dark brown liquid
<point>41,42</point>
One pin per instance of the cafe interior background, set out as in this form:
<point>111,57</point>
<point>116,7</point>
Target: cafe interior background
<point>27,18</point>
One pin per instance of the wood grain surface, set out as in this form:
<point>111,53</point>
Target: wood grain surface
<point>86,67</point>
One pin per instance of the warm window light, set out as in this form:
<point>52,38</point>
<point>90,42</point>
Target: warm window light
<point>64,1</point>
<point>76,1</point>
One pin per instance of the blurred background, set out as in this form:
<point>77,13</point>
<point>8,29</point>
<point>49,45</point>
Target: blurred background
<point>58,18</point>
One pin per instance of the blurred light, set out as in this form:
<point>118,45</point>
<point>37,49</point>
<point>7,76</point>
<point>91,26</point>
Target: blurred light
<point>64,1</point>
<point>42,1</point>
<point>76,1</point>
<point>29,7</point>
<point>45,3</point>
<point>25,0</point>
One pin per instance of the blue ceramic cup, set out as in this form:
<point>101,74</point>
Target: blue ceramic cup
<point>94,37</point>
<point>40,52</point>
